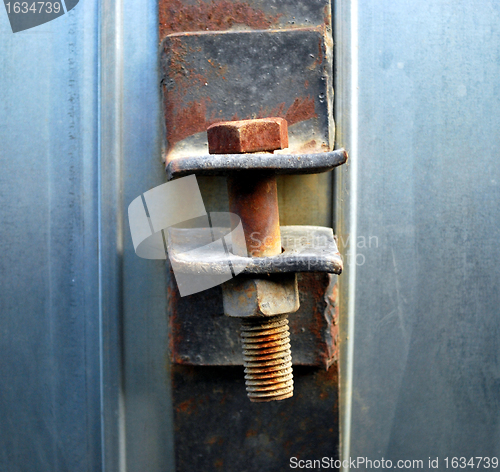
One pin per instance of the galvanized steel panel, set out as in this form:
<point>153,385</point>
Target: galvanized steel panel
<point>79,127</point>
<point>419,113</point>
<point>49,338</point>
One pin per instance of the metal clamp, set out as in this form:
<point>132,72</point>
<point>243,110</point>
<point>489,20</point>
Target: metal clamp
<point>268,257</point>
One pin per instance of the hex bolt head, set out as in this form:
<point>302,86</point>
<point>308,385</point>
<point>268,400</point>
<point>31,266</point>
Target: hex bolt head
<point>263,134</point>
<point>261,296</point>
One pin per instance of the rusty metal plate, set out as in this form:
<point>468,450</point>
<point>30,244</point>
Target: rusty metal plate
<point>218,429</point>
<point>200,333</point>
<point>221,164</point>
<point>177,16</point>
<point>240,56</point>
<point>305,249</point>
<point>209,77</point>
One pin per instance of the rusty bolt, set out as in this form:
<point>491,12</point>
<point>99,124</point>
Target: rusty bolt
<point>267,358</point>
<point>262,303</point>
<point>261,296</point>
<point>253,196</point>
<point>263,134</point>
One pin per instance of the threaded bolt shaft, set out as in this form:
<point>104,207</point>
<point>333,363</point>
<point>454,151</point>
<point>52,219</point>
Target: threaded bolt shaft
<point>267,358</point>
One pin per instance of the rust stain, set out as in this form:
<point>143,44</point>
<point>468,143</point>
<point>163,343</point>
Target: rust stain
<point>320,52</point>
<point>254,198</point>
<point>250,433</point>
<point>176,52</point>
<point>220,69</point>
<point>309,146</point>
<point>217,15</point>
<point>332,318</point>
<point>327,14</point>
<point>322,324</point>
<point>324,382</point>
<point>319,57</point>
<point>317,289</point>
<point>184,120</point>
<point>187,406</point>
<point>302,109</point>
<point>211,440</point>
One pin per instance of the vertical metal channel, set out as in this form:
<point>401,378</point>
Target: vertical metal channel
<point>137,429</point>
<point>346,116</point>
<point>110,221</point>
<point>149,428</point>
<point>83,327</point>
<point>419,369</point>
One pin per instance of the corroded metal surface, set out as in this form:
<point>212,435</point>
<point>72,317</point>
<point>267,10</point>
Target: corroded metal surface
<point>223,76</point>
<point>305,249</point>
<point>214,339</point>
<point>218,429</point>
<point>261,296</point>
<point>279,164</point>
<point>253,196</point>
<point>263,134</point>
<point>267,358</point>
<point>209,77</point>
<point>178,16</point>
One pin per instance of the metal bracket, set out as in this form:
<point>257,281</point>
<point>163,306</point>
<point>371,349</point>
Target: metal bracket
<point>284,71</point>
<point>210,77</point>
<point>222,164</point>
<point>305,249</point>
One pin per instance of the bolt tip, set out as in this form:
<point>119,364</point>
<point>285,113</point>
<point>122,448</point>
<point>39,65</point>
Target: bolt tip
<point>267,358</point>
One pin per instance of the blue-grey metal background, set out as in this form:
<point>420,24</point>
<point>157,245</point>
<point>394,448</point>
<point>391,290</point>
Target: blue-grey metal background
<point>83,380</point>
<point>83,371</point>
<point>49,307</point>
<point>418,105</point>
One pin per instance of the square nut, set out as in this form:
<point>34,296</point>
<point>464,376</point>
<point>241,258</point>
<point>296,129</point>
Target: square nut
<point>248,297</point>
<point>263,134</point>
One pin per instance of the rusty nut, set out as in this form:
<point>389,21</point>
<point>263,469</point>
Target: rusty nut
<point>263,134</point>
<point>251,297</point>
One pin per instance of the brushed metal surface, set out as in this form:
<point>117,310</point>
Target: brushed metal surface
<point>49,301</point>
<point>423,179</point>
<point>83,377</point>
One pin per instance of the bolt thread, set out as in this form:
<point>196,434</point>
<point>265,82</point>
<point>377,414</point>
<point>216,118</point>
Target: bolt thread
<point>267,358</point>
